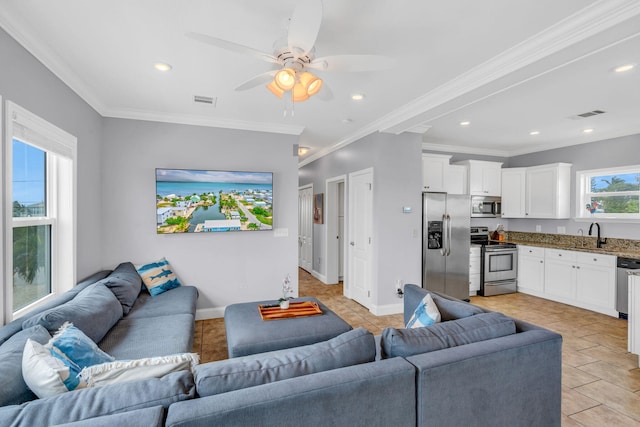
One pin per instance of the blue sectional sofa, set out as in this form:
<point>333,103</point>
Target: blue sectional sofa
<point>475,368</point>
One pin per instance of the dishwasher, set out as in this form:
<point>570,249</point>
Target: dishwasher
<point>622,284</point>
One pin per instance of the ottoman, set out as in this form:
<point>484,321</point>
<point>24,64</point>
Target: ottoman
<point>248,334</point>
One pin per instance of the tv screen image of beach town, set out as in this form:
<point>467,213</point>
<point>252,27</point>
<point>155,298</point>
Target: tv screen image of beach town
<point>202,201</point>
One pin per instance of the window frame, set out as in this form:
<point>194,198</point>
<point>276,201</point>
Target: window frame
<point>583,186</point>
<point>61,190</point>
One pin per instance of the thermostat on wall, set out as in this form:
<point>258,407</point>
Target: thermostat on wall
<point>406,209</point>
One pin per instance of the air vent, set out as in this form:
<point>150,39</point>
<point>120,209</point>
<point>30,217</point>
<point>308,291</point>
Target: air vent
<point>588,114</point>
<point>205,99</point>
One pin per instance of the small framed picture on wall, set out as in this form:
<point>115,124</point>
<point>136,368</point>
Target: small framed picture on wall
<point>318,199</point>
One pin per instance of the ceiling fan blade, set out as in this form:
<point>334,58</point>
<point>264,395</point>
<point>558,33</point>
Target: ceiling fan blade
<point>325,93</point>
<point>231,46</point>
<point>258,80</point>
<point>305,25</point>
<point>352,63</point>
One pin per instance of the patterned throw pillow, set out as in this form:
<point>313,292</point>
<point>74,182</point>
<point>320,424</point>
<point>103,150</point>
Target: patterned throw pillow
<point>158,276</point>
<point>425,314</point>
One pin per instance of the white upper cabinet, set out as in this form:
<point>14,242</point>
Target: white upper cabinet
<point>435,168</point>
<point>513,192</point>
<point>484,178</point>
<point>536,192</point>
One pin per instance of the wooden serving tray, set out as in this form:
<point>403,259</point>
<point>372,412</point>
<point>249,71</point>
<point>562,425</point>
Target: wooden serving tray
<point>296,309</point>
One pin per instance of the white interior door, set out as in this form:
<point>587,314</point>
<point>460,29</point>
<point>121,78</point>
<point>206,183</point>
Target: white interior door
<point>360,219</point>
<point>305,227</point>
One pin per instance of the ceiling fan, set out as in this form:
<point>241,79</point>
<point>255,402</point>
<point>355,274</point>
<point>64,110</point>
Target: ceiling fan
<point>294,56</point>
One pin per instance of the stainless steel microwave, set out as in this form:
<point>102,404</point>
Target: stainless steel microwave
<point>486,207</point>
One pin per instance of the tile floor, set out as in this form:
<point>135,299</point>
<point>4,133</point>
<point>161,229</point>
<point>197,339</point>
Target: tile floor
<point>600,380</point>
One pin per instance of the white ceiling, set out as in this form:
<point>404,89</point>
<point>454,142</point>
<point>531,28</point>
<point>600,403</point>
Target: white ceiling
<point>508,67</point>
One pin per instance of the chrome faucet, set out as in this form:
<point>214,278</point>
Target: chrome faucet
<point>599,241</point>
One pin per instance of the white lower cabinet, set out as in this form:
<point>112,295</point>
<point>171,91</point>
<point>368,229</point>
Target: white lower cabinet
<point>531,270</point>
<point>474,270</point>
<point>581,279</point>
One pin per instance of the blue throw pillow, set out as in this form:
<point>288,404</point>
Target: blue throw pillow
<point>425,314</point>
<point>158,276</point>
<point>77,347</point>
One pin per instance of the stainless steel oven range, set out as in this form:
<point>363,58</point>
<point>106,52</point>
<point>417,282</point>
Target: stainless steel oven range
<point>499,271</point>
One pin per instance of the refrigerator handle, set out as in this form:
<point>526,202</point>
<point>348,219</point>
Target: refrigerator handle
<point>448,235</point>
<point>445,243</point>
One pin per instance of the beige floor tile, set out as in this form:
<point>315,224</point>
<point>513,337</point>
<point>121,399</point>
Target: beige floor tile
<point>616,398</point>
<point>627,379</point>
<point>574,377</point>
<point>601,416</point>
<point>574,402</point>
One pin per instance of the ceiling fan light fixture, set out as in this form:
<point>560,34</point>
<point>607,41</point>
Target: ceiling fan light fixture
<point>299,93</point>
<point>311,83</point>
<point>275,89</point>
<point>285,79</point>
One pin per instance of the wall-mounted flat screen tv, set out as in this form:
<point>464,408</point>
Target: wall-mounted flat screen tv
<point>205,201</point>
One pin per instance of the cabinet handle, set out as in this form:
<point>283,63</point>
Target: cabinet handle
<point>595,259</point>
<point>578,267</point>
<point>573,266</point>
<point>541,262</point>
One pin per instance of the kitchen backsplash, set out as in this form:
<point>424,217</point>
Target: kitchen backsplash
<point>571,241</point>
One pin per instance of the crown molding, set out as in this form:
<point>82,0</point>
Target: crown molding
<point>583,24</point>
<point>427,146</point>
<point>42,52</point>
<point>186,119</point>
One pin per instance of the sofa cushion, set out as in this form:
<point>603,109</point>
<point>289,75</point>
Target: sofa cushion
<point>158,277</point>
<point>14,390</point>
<point>480,327</point>
<point>425,314</point>
<point>181,300</point>
<point>147,417</point>
<point>98,401</point>
<point>94,311</point>
<point>350,348</point>
<point>452,309</point>
<point>120,371</point>
<point>125,283</point>
<point>143,337</point>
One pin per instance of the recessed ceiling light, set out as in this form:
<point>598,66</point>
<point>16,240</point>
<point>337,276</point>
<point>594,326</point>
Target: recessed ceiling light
<point>534,132</point>
<point>623,68</point>
<point>465,123</point>
<point>162,66</point>
<point>588,130</point>
<point>357,96</point>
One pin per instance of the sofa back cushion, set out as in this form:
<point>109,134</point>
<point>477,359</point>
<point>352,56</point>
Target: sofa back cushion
<point>408,342</point>
<point>14,390</point>
<point>125,283</point>
<point>94,311</point>
<point>351,348</point>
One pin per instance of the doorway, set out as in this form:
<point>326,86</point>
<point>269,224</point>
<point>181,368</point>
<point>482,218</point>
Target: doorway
<point>360,249</point>
<point>335,247</point>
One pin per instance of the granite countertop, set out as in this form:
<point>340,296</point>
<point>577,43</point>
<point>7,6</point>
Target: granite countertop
<point>617,247</point>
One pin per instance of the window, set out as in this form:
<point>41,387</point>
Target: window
<point>40,211</point>
<point>609,193</point>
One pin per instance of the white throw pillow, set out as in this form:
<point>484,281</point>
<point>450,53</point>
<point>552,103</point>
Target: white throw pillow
<point>425,314</point>
<point>45,374</point>
<point>130,370</point>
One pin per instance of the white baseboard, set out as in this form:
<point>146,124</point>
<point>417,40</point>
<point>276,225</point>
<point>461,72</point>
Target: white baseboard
<point>319,276</point>
<point>210,313</point>
<point>383,310</point>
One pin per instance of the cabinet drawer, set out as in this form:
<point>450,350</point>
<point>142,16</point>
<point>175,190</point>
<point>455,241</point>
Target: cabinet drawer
<point>560,254</point>
<point>596,259</point>
<point>531,251</point>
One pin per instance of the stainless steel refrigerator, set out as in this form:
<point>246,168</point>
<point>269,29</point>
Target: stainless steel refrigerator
<point>445,243</point>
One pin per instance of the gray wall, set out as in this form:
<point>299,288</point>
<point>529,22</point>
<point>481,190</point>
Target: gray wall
<point>226,267</point>
<point>622,151</point>
<point>26,82</point>
<point>396,160</point>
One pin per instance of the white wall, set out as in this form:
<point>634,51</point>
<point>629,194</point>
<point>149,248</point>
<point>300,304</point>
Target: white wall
<point>29,84</point>
<point>226,267</point>
<point>397,182</point>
